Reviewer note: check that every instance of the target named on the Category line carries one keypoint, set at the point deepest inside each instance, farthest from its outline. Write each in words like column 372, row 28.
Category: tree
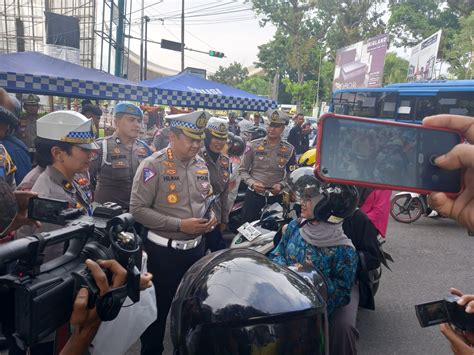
column 407, row 28
column 256, row 85
column 291, row 19
column 232, row 75
column 461, row 57
column 395, row 70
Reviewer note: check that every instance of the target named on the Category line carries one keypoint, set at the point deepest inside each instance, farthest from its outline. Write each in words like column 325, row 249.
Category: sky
column 236, row 33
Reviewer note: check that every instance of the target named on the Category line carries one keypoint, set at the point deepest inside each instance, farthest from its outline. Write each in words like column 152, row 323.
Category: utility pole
column 141, row 40
column 182, row 35
column 145, row 64
column 120, row 39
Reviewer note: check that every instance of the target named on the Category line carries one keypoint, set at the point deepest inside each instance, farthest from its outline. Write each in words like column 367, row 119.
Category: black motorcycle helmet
column 332, row 202
column 237, row 301
column 255, row 132
column 236, row 145
column 9, row 118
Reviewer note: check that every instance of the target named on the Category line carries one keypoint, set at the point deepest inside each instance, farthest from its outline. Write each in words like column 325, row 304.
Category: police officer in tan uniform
column 27, row 129
column 170, row 195
column 217, row 130
column 265, row 165
column 7, row 167
column 114, row 165
column 66, row 140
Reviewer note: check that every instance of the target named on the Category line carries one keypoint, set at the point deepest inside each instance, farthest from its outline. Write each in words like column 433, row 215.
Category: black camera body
column 445, row 311
column 38, row 297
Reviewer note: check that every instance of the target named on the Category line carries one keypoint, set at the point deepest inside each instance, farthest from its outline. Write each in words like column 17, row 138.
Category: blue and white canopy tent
column 188, row 90
column 33, row 72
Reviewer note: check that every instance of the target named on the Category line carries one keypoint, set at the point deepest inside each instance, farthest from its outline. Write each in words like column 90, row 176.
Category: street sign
column 174, row 46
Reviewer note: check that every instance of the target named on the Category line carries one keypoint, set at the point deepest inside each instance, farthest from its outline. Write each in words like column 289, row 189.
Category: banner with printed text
column 361, row 65
column 423, row 59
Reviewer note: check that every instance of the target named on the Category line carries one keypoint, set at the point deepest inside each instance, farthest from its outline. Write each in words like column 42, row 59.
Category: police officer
column 27, row 130
column 265, row 164
column 233, row 125
column 170, row 195
column 219, row 172
column 7, row 166
column 114, row 165
column 65, row 139
column 161, row 138
column 94, row 113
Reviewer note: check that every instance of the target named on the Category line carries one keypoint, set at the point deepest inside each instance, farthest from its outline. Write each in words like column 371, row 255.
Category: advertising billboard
column 361, row 65
column 423, row 58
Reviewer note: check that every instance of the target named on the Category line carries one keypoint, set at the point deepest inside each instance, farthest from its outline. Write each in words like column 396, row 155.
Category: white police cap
column 191, row 124
column 67, row 126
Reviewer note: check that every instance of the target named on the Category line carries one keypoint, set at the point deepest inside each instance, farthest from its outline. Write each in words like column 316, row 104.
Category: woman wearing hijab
column 317, row 238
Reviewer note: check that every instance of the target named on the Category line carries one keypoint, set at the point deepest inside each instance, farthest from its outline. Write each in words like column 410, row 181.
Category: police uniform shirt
column 52, row 184
column 114, row 174
column 166, row 190
column 265, row 163
column 30, row 179
column 27, row 131
column 219, row 173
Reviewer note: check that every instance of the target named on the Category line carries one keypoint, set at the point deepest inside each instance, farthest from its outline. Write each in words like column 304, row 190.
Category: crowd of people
column 179, row 190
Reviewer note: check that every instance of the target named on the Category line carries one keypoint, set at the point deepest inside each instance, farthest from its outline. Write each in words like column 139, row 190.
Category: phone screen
column 45, row 210
column 431, row 313
column 386, row 154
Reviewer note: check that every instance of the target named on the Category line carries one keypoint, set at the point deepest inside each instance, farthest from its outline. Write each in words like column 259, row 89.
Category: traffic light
column 216, row 54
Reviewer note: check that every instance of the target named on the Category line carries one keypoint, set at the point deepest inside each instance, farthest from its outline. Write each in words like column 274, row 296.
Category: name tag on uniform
column 119, row 164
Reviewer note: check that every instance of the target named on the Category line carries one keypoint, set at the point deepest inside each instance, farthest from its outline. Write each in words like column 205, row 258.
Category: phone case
column 321, row 176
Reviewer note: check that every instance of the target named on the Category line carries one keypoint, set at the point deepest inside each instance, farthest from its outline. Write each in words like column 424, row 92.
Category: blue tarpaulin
column 188, row 90
column 33, row 72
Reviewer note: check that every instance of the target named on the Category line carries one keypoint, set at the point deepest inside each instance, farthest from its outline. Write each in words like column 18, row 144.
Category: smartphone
column 385, row 154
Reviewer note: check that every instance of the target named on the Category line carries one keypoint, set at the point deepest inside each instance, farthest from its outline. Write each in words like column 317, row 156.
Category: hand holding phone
column 460, row 208
column 385, row 154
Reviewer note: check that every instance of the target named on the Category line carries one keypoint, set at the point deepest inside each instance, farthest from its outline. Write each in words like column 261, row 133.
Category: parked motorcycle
column 261, row 235
column 235, row 215
column 407, row 207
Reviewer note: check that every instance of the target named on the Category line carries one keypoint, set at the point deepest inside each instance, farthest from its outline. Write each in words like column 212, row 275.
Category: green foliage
column 395, row 70
column 461, row 56
column 256, row 85
column 232, row 75
column 304, row 93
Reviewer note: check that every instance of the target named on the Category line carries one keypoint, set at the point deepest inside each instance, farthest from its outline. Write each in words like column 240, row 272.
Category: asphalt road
column 430, row 255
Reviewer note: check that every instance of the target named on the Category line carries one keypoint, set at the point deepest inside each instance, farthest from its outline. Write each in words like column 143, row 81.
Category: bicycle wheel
column 406, row 209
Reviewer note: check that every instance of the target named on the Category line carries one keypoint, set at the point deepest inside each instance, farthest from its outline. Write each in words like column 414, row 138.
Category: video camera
column 38, row 297
column 445, row 311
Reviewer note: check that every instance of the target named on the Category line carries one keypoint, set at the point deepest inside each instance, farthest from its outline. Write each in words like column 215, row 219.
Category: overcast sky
column 236, row 33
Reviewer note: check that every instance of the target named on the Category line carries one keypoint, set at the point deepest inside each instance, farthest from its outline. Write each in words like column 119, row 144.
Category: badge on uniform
column 260, row 148
column 172, row 198
column 142, row 151
column 283, row 149
column 148, row 174
column 202, row 172
column 116, row 150
column 168, row 164
column 170, row 171
column 169, row 153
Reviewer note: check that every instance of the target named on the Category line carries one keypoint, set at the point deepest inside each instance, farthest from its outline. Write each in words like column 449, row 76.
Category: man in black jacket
column 296, row 134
